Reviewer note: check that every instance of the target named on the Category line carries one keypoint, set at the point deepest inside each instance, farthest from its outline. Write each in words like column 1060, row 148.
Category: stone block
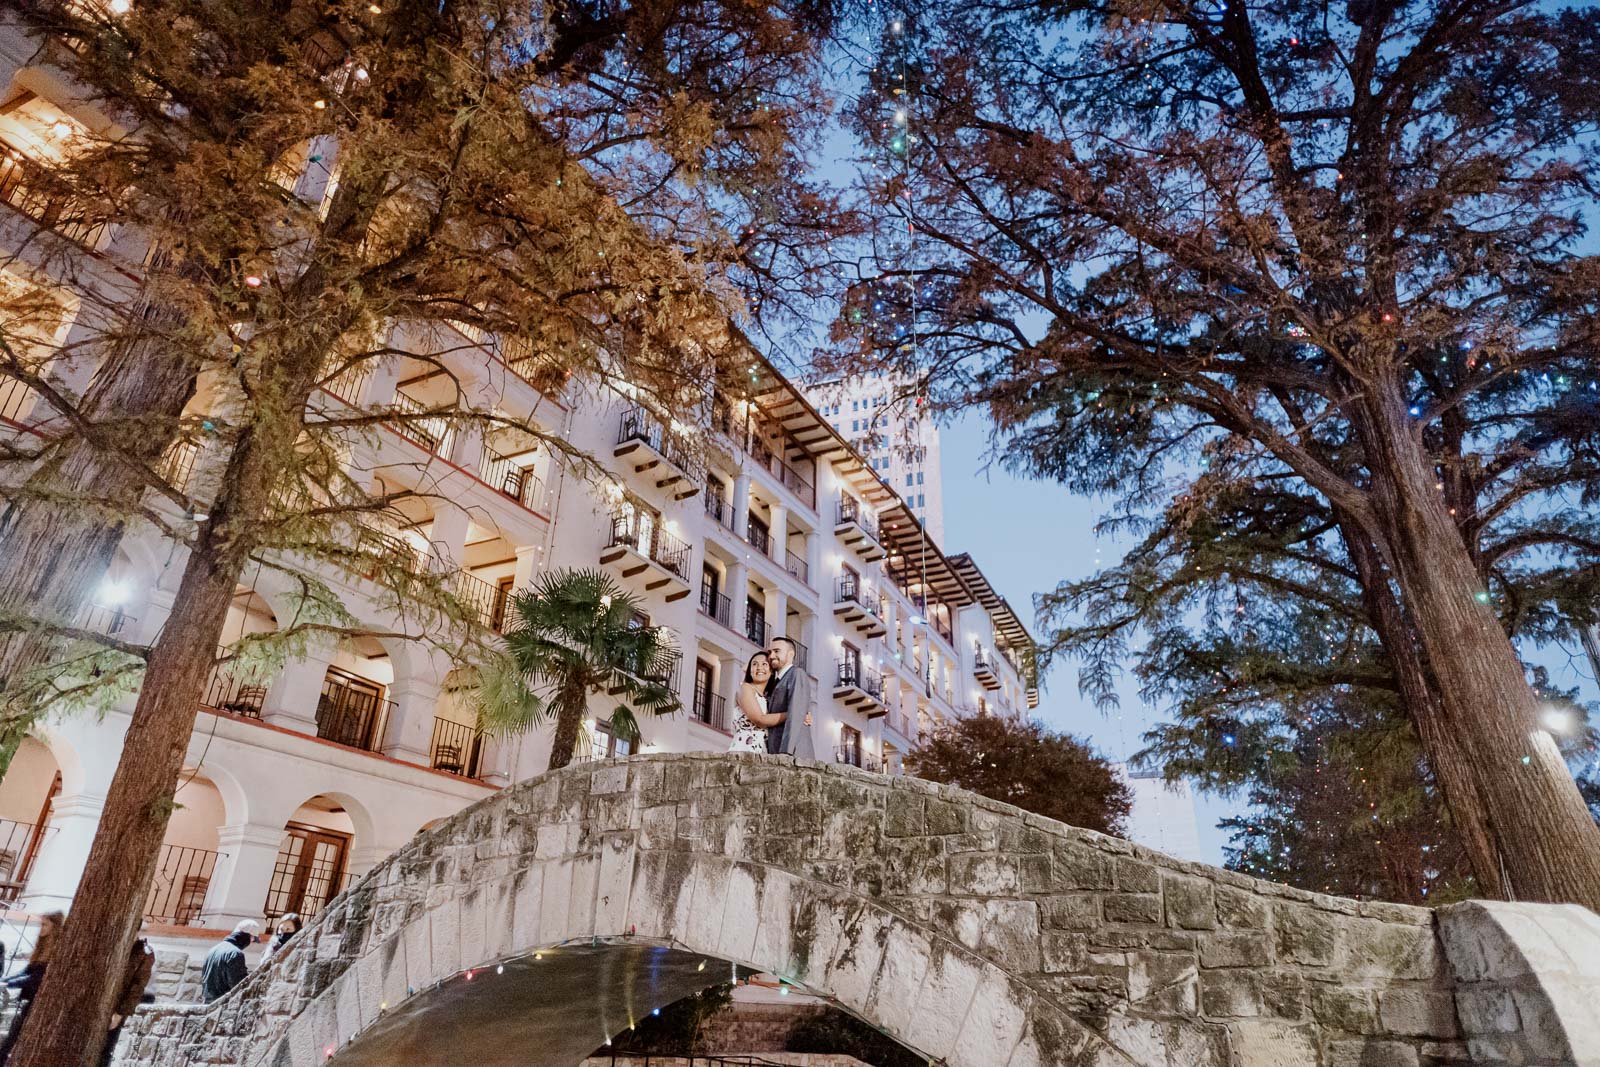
column 904, row 816
column 945, row 817
column 1235, row 948
column 1418, row 1013
column 1241, row 908
column 1370, row 1052
column 1137, row 876
column 1487, row 1010
column 1262, row 1043
column 1131, row 908
column 1189, row 902
column 741, row 915
column 904, row 966
column 1230, row 994
column 1352, row 1010
column 1163, row 983
column 993, row 1025
column 1064, row 953
column 981, row 875
column 1078, row 866
column 946, row 995
column 1000, row 929
column 1072, row 911
column 1304, row 936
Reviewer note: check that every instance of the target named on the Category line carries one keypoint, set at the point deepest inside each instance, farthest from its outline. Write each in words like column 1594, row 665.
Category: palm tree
column 576, row 633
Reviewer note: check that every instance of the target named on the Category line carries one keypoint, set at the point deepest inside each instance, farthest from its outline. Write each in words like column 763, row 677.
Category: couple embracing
column 773, row 689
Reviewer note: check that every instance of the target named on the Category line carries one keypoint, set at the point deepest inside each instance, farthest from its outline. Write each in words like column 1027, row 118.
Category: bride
column 751, row 719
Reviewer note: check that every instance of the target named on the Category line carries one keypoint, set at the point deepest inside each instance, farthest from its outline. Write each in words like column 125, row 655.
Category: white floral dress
column 747, row 736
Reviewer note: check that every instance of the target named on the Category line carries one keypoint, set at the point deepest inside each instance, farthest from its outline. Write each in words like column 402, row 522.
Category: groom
column 787, row 691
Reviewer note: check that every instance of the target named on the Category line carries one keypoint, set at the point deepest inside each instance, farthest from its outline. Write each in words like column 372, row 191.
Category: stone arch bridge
column 538, row 923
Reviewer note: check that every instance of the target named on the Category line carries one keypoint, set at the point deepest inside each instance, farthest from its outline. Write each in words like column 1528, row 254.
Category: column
column 248, row 857
column 780, row 536
column 467, row 452
column 777, row 605
column 818, row 662
column 292, row 698
column 447, row 537
column 737, row 592
column 818, row 580
column 730, row 675
column 741, row 504
column 528, row 558
column 409, row 732
column 63, row 851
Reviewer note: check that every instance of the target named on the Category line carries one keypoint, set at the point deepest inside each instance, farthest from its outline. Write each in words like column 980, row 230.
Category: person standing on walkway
column 287, row 927
column 224, row 967
column 27, row 983
column 135, row 976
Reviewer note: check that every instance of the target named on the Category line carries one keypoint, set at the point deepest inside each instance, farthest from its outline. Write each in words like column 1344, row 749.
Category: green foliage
column 1023, row 763
column 839, row 1032
column 677, row 1028
column 574, row 635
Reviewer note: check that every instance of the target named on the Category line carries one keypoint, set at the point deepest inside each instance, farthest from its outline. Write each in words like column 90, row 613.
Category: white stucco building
column 1163, row 815
column 899, row 441
column 751, row 518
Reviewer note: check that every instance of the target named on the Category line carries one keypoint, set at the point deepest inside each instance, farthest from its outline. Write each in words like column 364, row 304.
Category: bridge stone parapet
column 535, row 925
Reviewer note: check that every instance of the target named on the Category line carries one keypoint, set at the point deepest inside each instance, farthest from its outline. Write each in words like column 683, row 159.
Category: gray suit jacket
column 791, row 696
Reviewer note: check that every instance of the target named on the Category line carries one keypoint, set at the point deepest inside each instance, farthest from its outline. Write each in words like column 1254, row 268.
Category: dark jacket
column 790, row 696
column 134, row 979
column 224, row 967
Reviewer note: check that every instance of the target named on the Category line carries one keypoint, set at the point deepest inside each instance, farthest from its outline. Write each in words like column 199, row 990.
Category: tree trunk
column 68, row 1023
column 58, row 548
column 71, row 1014
column 569, row 724
column 1548, row 843
column 1462, row 798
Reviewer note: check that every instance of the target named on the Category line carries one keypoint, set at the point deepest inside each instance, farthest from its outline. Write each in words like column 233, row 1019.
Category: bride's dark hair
column 748, row 676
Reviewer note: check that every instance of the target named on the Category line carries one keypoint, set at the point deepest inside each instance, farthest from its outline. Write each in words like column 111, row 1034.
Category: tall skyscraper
column 886, row 423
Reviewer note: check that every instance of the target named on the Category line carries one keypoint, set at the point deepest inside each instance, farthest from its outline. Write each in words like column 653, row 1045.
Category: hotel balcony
column 455, row 748
column 853, row 756
column 983, row 669
column 652, row 450
column 860, row 688
column 26, row 185
column 853, row 603
column 642, row 551
column 857, row 529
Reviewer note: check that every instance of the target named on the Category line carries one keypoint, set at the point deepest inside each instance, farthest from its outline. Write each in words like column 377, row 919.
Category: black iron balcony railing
column 670, row 552
column 797, row 566
column 108, row 620
column 664, row 667
column 386, row 548
column 711, row 708
column 757, row 537
column 849, row 510
column 455, row 748
column 25, row 185
column 518, row 483
column 798, row 484
column 485, row 601
column 855, row 756
column 224, row 692
column 543, row 371
column 637, row 424
column 19, row 841
column 305, row 887
column 756, row 628
column 15, row 398
column 351, row 715
column 716, row 606
column 178, row 890
column 348, row 383
column 432, row 432
column 849, row 589
column 177, row 463
column 721, row 510
column 850, row 673
column 802, row 655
